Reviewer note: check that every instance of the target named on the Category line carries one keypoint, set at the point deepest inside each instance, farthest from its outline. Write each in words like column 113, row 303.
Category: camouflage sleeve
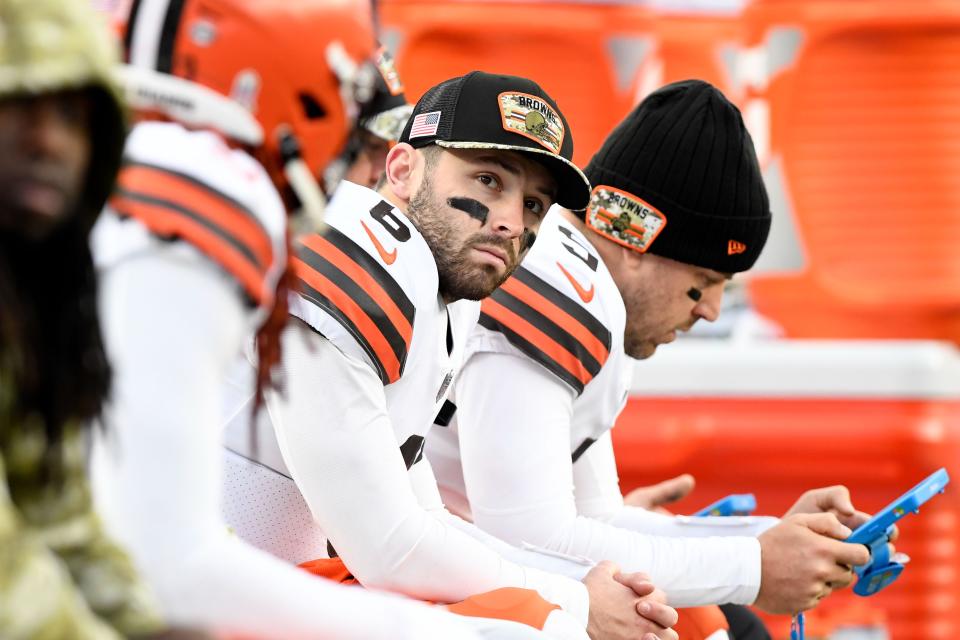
column 59, row 518
column 39, row 599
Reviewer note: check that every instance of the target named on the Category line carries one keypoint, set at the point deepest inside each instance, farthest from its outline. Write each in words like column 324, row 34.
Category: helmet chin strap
column 357, row 81
column 309, row 218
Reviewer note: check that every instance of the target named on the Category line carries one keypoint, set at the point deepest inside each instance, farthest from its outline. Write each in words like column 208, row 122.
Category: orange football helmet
column 299, row 68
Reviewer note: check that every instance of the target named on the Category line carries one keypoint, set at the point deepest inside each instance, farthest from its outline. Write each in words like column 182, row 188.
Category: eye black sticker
column 473, row 208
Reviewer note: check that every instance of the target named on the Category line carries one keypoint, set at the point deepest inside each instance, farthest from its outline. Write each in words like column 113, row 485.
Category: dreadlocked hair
column 268, row 336
column 50, row 339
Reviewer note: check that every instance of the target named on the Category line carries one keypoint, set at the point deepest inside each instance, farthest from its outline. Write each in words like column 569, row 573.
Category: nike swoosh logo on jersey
column 388, row 257
column 585, row 294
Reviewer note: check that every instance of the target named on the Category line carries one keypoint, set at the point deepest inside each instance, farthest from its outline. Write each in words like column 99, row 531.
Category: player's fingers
column 658, row 596
column 639, row 582
column 666, row 634
column 826, row 524
column 837, row 499
column 850, row 555
column 658, row 613
column 662, row 634
column 894, row 533
column 672, row 490
column 840, row 577
column 854, row 520
column 607, row 567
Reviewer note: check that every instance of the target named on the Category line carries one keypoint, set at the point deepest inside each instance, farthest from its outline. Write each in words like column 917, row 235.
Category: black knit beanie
column 679, row 178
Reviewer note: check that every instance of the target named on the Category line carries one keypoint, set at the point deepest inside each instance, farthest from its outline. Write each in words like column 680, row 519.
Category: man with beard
column 678, row 205
column 369, row 358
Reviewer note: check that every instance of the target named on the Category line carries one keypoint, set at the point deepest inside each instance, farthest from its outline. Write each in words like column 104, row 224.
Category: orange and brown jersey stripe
column 176, row 205
column 341, row 278
column 548, row 327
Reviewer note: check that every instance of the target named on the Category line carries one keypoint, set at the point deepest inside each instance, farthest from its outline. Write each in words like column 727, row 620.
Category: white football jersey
column 189, row 251
column 562, row 310
column 365, row 378
column 369, row 284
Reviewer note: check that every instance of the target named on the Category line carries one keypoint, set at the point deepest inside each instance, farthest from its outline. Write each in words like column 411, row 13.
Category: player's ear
column 632, row 262
column 402, row 169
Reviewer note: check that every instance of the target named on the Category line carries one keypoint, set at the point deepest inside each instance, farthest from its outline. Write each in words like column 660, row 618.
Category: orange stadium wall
column 596, row 59
column 865, row 118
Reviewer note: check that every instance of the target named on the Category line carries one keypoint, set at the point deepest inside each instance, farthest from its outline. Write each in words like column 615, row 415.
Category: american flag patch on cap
column 425, row 124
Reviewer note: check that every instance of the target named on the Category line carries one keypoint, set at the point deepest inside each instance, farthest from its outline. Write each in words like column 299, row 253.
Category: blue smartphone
column 909, row 502
column 737, row 504
column 882, row 570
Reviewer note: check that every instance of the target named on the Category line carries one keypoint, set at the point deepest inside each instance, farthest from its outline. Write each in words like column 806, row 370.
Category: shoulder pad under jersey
column 190, row 186
column 368, row 271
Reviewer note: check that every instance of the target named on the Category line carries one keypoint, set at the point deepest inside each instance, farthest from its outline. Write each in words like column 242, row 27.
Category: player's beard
column 460, row 277
column 649, row 318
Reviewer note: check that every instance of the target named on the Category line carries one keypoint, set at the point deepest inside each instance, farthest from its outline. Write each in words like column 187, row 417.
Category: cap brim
column 388, row 125
column 573, row 188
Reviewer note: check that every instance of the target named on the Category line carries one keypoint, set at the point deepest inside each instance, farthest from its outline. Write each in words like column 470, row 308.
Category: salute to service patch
column 624, row 218
column 532, row 117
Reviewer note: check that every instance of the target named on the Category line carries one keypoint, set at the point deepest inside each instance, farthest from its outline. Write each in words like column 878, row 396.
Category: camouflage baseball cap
column 47, row 46
column 488, row 111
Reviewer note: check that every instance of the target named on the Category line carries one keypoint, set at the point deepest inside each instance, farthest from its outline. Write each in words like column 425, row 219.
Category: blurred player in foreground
column 62, row 129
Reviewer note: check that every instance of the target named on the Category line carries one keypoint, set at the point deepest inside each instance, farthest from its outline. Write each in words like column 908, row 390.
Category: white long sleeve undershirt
column 598, row 496
column 173, row 323
column 385, row 522
column 523, row 487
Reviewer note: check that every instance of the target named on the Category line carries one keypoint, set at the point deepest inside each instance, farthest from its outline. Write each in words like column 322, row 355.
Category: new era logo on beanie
column 734, row 247
column 487, row 111
column 679, row 178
